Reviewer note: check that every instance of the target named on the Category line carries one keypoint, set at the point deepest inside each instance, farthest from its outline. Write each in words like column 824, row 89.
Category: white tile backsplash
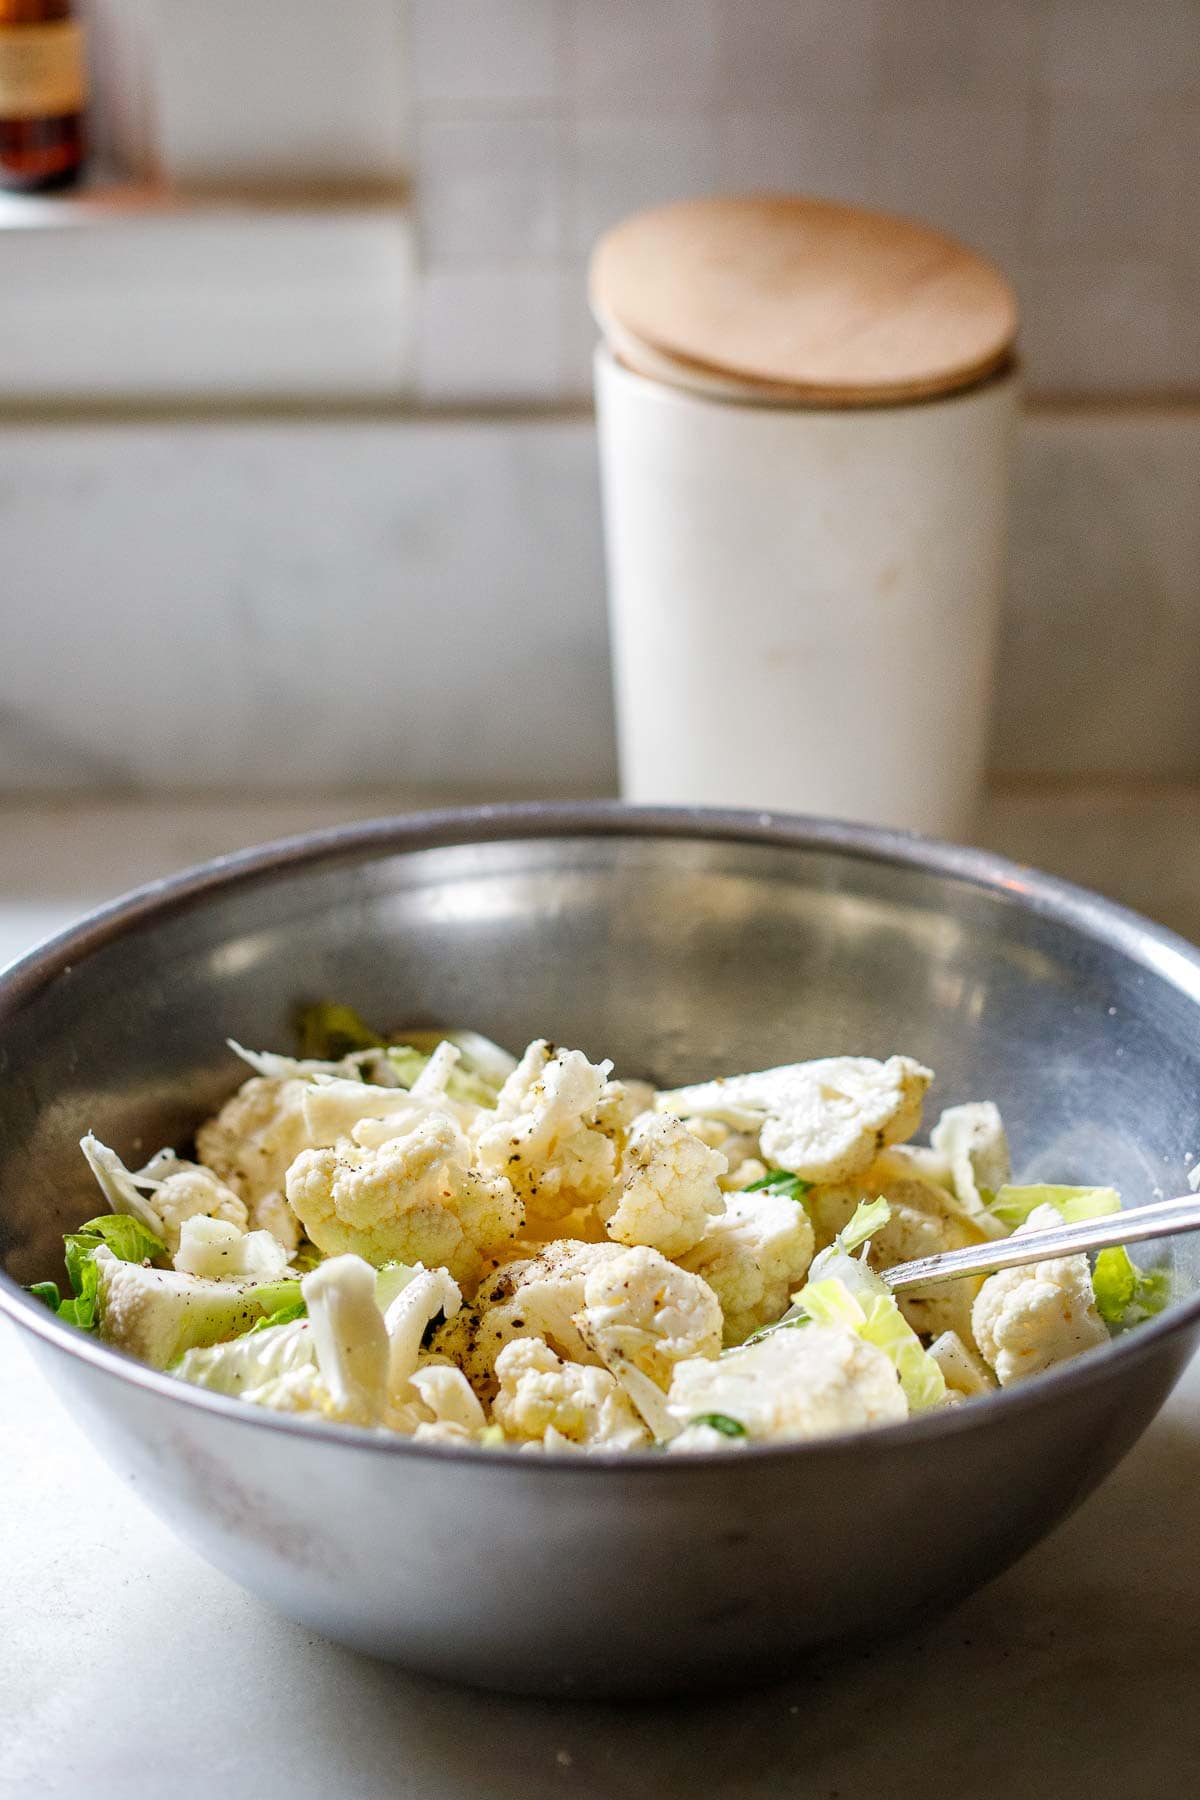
column 1058, row 136
column 491, row 188
column 294, row 605
column 940, row 50
column 1109, row 175
column 797, row 50
column 1100, row 660
column 491, row 332
column 497, row 52
column 647, row 54
column 960, row 165
column 221, row 301
column 280, row 92
column 1075, row 312
column 811, row 149
column 1121, row 49
column 343, row 603
column 623, row 164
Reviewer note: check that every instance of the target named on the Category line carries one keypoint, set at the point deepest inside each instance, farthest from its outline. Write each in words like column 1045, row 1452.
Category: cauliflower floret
column 538, row 1296
column 163, row 1194
column 250, row 1144
column 1027, row 1319
column 700, row 1436
column 539, row 1392
column 753, row 1259
column 445, row 1431
column 338, row 1108
column 806, row 1383
column 221, row 1252
column 743, row 1174
column 966, row 1374
column 196, row 1194
column 546, row 1134
column 973, row 1141
column 414, row 1199
column 261, row 1130
column 620, row 1103
column 739, row 1148
column 449, row 1398
column 430, row 1294
column 349, row 1336
column 371, row 1115
column 669, row 1187
column 925, row 1219
column 157, row 1314
column 824, row 1120
column 644, row 1313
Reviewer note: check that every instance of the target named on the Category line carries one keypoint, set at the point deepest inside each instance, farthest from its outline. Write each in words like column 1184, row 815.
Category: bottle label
column 41, row 70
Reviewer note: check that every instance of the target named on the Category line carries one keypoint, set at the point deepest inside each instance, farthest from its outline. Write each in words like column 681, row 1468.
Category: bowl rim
column 1162, row 951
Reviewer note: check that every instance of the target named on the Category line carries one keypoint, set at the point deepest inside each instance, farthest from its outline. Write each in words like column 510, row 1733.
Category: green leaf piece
column 868, row 1217
column 126, row 1237
column 730, row 1428
column 782, row 1182
column 1125, row 1294
column 329, row 1030
column 285, row 1315
column 1013, row 1205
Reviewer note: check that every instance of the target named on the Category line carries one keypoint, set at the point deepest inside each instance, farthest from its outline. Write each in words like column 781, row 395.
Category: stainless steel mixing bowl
column 680, row 943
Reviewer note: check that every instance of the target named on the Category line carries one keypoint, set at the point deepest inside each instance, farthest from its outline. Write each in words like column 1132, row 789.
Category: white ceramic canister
column 803, row 598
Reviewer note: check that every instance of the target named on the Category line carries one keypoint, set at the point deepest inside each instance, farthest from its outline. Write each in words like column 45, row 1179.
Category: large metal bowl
column 680, row 943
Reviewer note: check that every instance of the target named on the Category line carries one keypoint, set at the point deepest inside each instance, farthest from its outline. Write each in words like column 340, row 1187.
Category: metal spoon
column 1163, row 1219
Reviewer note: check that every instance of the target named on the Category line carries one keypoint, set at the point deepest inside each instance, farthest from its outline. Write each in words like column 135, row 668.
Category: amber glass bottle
column 43, row 91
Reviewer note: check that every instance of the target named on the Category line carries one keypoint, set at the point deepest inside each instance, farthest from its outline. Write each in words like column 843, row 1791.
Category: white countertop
column 128, row 1668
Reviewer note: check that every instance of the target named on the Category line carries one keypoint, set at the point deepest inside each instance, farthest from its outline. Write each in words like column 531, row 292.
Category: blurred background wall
column 297, row 482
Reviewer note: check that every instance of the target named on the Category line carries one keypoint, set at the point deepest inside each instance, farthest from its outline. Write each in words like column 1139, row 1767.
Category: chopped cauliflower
column 371, row 1115
column 973, row 1141
column 196, row 1194
column 338, row 1108
column 430, row 1295
column 538, row 1296
column 739, row 1148
column 965, row 1373
column 251, row 1143
column 163, row 1194
column 620, row 1103
column 157, row 1314
column 540, row 1392
column 547, row 1135
column 448, row 1397
column 825, row 1120
column 807, row 1382
column 926, row 1218
column 445, row 1431
column 669, row 1187
column 1028, row 1318
column 753, row 1258
column 304, row 1390
column 347, row 1382
column 646, row 1314
column 414, row 1199
column 536, row 1256
column 221, row 1252
column 349, row 1336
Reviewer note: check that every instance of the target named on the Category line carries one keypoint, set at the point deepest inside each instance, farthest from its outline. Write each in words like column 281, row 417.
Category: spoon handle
column 1163, row 1219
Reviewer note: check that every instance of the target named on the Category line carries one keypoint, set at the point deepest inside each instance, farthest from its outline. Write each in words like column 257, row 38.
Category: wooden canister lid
column 800, row 300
